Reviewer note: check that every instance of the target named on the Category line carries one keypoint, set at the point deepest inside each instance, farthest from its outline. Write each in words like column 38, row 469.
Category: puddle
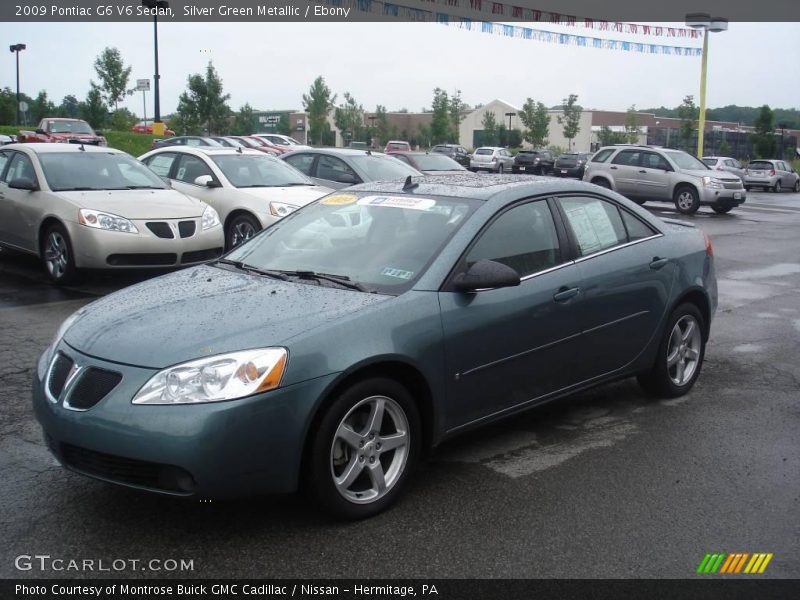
column 747, row 348
column 777, row 270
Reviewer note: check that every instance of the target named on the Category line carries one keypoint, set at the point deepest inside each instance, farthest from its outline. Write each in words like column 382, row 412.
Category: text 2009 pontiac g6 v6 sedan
column 336, row 345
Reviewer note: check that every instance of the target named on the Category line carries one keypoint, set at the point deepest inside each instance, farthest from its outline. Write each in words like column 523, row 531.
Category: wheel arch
column 685, row 184
column 597, row 178
column 699, row 298
column 43, row 226
column 240, row 211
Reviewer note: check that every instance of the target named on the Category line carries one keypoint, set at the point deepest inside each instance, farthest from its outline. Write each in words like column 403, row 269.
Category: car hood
column 204, row 311
column 701, row 173
column 299, row 195
column 453, row 172
column 139, row 204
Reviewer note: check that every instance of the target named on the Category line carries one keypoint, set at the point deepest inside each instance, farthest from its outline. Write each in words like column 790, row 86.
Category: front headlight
column 210, row 218
column 711, row 182
column 107, row 221
column 281, row 209
column 216, row 378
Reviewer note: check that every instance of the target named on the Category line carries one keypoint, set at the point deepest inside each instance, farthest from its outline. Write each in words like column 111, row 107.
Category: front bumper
column 722, row 197
column 219, row 449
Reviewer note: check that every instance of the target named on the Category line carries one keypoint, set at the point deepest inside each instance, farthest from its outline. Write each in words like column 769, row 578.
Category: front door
column 19, row 211
column 625, row 170
column 654, row 178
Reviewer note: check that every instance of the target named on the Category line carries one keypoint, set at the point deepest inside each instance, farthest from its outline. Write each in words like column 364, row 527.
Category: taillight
column 772, row 173
column 709, row 246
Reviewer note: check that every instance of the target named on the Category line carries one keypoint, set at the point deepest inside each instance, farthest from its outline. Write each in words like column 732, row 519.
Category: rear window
column 760, row 165
column 710, row 161
column 602, row 155
column 484, row 151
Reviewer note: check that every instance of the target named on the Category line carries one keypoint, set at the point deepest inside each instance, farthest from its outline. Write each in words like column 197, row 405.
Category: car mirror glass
column 40, row 131
column 486, row 274
column 345, row 178
column 23, row 183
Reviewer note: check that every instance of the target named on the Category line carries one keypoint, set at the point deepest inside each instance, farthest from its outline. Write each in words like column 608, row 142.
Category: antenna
column 82, row 149
column 409, row 185
column 239, row 149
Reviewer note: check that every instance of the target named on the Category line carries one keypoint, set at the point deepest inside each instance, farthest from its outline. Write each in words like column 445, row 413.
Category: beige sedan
column 86, row 207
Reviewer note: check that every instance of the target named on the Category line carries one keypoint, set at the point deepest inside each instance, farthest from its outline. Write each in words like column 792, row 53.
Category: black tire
column 240, row 229
column 57, row 255
column 603, row 183
column 747, row 188
column 658, row 381
column 321, row 458
column 722, row 210
column 687, row 200
column 499, row 169
column 797, row 187
column 777, row 188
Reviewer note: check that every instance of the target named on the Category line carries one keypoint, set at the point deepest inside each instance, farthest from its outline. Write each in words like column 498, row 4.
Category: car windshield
column 686, row 161
column 70, row 127
column 432, row 162
column 760, row 165
column 710, row 162
column 248, row 170
column 84, row 171
column 383, row 168
column 383, row 243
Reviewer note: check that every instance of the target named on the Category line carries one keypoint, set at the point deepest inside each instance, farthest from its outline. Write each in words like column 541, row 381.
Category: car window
column 523, row 238
column 636, row 229
column 301, row 162
column 83, row 171
column 20, row 167
column 383, row 168
column 627, row 157
column 249, row 170
column 602, row 155
column 760, row 165
column 332, row 168
column 3, row 161
column 782, row 166
column 402, row 157
column 190, row 168
column 595, row 224
column 710, row 161
column 651, row 160
column 483, row 151
column 161, row 164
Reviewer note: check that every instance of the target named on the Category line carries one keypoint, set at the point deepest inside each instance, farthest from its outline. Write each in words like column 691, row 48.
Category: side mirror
column 207, row 181
column 40, row 131
column 486, row 274
column 346, row 178
column 23, row 183
column 98, row 132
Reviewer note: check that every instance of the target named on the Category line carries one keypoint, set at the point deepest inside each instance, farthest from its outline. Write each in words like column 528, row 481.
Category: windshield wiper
column 79, row 189
column 142, row 187
column 342, row 280
column 294, row 183
column 251, row 269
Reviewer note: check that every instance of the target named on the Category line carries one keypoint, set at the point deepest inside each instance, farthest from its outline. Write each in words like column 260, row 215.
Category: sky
column 270, row 65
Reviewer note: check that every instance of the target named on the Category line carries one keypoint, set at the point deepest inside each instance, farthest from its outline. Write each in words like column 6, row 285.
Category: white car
column 249, row 189
column 282, row 140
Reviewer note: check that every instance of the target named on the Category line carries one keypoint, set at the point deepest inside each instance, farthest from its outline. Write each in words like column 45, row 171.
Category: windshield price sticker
column 339, row 200
column 398, row 202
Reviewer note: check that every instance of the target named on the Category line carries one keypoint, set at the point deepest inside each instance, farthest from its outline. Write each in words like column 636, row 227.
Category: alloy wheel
column 685, row 200
column 242, row 231
column 56, row 255
column 683, row 350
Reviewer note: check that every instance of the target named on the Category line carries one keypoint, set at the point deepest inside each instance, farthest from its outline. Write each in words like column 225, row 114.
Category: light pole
column 17, row 48
column 708, row 24
column 155, row 6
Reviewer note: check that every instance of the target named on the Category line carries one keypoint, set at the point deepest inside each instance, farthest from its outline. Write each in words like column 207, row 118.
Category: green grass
column 135, row 144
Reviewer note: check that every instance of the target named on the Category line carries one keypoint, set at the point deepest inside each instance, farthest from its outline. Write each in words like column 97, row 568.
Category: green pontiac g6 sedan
column 338, row 344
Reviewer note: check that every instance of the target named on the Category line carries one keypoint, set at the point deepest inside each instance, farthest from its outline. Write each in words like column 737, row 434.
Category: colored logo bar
column 734, row 563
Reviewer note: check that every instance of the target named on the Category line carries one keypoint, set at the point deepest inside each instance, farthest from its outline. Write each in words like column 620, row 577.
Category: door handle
column 642, row 171
column 615, row 168
column 657, row 263
column 565, row 294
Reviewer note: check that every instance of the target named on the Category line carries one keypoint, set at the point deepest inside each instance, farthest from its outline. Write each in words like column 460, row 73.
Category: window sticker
column 398, row 202
column 339, row 200
column 398, row 273
column 181, row 173
column 592, row 227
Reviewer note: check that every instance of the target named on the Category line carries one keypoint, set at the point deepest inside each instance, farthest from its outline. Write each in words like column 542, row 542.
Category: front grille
column 161, row 229
column 92, row 386
column 200, row 255
column 732, row 185
column 142, row 260
column 186, row 228
column 59, row 372
column 139, row 473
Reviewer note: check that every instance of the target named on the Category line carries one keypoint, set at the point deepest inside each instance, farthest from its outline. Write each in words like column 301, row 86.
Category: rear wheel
column 57, row 255
column 603, row 183
column 240, row 229
column 500, row 168
column 721, row 210
column 777, row 187
column 686, row 200
column 797, row 186
column 680, row 354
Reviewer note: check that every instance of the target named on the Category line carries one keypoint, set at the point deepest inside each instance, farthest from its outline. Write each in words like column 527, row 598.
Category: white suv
column 491, row 158
column 644, row 173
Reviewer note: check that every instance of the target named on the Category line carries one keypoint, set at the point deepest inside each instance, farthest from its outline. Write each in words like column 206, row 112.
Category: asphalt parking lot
column 606, row 484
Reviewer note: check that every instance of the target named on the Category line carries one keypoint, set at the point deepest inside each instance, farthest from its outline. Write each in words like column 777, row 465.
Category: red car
column 54, row 130
column 256, row 144
column 147, row 127
column 397, row 146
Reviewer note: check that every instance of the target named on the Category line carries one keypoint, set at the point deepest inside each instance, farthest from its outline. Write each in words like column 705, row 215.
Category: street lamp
column 708, row 24
column 155, row 6
column 17, row 48
column 784, row 127
column 509, row 115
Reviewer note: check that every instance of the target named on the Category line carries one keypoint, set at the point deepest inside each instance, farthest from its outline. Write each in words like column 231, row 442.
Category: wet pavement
column 608, row 483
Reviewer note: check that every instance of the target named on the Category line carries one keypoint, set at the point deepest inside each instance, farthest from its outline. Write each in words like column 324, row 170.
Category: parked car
column 397, row 146
column 538, row 162
column 773, row 175
column 295, row 359
column 248, row 189
column 7, row 139
column 58, row 130
column 454, row 151
column 276, row 139
column 644, row 173
column 84, row 207
column 430, row 163
column 725, row 163
column 571, row 164
column 491, row 158
column 246, row 141
column 147, row 127
column 185, row 140
column 341, row 167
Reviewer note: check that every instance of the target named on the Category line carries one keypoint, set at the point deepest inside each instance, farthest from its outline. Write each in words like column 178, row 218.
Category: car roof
column 339, row 151
column 490, row 148
column 207, row 150
column 61, row 119
column 45, row 148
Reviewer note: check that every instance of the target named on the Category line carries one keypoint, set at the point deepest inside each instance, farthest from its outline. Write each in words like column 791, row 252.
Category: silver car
column 773, row 175
column 725, row 163
column 643, row 173
column 491, row 158
column 93, row 207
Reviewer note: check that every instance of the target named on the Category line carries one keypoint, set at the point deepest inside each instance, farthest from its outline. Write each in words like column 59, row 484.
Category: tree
column 490, row 135
column 69, row 107
column 536, row 118
column 349, row 118
column 606, row 137
column 424, row 136
column 514, row 138
column 8, row 106
column 244, row 121
column 42, row 107
column 382, row 125
column 688, row 113
column 632, row 129
column 113, row 75
column 203, row 108
column 122, row 119
column 93, row 110
column 570, row 118
column 456, row 108
column 440, row 124
column 284, row 125
column 318, row 103
column 764, row 137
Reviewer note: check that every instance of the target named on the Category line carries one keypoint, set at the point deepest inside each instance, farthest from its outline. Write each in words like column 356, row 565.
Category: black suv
column 454, row 151
column 538, row 162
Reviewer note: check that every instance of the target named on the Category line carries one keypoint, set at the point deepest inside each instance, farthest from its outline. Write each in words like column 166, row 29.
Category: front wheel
column 57, row 255
column 240, row 229
column 722, row 210
column 680, row 354
column 687, row 200
column 364, row 449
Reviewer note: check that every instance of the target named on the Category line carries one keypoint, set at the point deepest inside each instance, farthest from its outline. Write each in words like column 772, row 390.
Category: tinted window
column 710, row 161
column 523, row 238
column 602, row 155
column 20, row 167
column 432, row 162
column 383, row 168
column 190, row 168
column 160, row 164
column 3, row 161
column 760, row 165
column 484, row 151
column 651, row 160
column 596, row 224
column 248, row 170
column 402, row 157
column 627, row 157
column 302, row 162
column 332, row 168
column 635, row 228
column 96, row 171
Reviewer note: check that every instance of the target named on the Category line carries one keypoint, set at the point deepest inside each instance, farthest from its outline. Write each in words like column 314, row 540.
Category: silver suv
column 644, row 173
column 491, row 158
